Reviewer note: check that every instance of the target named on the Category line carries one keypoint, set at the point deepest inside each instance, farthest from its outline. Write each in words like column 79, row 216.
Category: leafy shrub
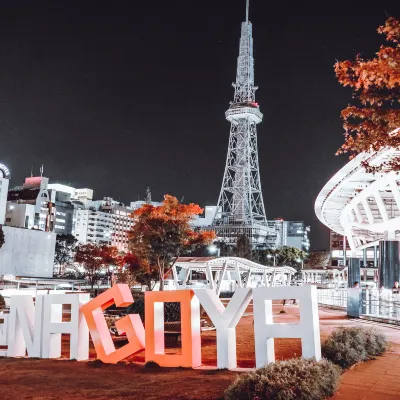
column 151, row 364
column 286, row 380
column 348, row 346
column 2, row 301
column 225, row 295
column 172, row 311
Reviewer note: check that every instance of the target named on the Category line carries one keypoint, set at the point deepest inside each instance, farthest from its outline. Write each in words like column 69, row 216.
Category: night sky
column 118, row 96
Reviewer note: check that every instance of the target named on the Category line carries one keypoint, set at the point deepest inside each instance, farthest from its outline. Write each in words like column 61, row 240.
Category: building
column 104, row 221
column 291, row 233
column 364, row 209
column 134, row 205
column 30, row 206
column 240, row 209
column 64, row 211
column 368, row 257
column 83, row 195
column 5, row 177
column 27, row 252
column 205, row 220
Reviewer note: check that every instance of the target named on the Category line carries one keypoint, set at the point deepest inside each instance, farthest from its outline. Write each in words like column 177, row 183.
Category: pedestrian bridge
column 227, row 273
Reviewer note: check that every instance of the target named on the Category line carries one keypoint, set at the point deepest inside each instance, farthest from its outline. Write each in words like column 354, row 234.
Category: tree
column 161, row 234
column 95, row 259
column 285, row 256
column 318, row 259
column 64, row 251
column 374, row 123
column 132, row 270
column 290, row 257
column 2, row 240
column 225, row 250
column 243, row 248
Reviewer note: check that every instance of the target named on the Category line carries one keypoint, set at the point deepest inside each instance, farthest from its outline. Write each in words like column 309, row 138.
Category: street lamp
column 272, row 255
column 214, row 249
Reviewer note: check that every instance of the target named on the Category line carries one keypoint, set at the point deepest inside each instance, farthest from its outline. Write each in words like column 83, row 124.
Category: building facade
column 30, row 206
column 104, row 222
column 291, row 233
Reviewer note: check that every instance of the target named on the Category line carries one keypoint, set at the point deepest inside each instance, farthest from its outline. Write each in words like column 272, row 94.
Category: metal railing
column 333, row 297
column 380, row 303
column 376, row 303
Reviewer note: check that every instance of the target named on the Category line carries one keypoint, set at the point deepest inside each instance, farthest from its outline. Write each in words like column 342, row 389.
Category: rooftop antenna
column 31, row 171
column 247, row 10
column 41, row 170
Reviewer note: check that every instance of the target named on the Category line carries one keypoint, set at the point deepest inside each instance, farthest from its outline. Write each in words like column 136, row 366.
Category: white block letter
column 3, row 333
column 25, row 326
column 265, row 330
column 53, row 326
column 225, row 321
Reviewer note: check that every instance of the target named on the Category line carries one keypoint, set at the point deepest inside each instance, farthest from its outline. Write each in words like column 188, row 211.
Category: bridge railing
column 333, row 297
column 378, row 303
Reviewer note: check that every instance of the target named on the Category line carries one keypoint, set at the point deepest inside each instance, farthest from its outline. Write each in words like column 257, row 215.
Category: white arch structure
column 364, row 207
column 243, row 272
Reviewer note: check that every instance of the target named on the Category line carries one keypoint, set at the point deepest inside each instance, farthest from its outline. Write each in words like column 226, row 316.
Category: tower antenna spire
column 247, row 10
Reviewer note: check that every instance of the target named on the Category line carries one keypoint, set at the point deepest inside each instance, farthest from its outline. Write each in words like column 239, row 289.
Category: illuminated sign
column 35, row 329
column 5, row 172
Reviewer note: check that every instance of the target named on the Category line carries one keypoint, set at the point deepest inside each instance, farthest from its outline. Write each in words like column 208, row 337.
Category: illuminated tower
column 240, row 209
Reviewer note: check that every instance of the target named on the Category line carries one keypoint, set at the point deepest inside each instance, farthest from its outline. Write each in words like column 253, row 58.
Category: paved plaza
column 378, row 379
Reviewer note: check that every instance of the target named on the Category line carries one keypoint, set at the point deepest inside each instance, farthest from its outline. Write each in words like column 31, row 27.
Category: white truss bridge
column 228, row 273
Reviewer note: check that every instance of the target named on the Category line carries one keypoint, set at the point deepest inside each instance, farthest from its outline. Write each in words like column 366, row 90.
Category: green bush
column 172, row 311
column 286, row 380
column 348, row 346
column 226, row 295
column 151, row 364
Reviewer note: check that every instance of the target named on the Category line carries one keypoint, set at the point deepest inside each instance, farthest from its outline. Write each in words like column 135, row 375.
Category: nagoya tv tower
column 240, row 209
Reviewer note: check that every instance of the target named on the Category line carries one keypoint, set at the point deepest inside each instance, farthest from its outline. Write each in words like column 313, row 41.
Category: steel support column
column 353, row 271
column 389, row 264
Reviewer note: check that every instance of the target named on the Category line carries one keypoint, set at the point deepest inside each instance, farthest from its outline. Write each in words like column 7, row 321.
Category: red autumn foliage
column 95, row 258
column 373, row 124
column 161, row 234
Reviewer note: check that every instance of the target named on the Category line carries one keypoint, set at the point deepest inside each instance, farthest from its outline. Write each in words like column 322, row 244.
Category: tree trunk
column 161, row 274
column 161, row 282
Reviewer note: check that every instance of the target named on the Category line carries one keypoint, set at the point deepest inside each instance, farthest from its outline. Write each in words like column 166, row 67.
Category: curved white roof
column 364, row 207
column 217, row 264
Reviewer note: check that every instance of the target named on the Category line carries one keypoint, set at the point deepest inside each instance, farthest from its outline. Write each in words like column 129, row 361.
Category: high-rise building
column 240, row 210
column 104, row 221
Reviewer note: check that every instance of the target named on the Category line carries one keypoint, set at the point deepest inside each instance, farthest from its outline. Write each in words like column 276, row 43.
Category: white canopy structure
column 316, row 275
column 365, row 207
column 227, row 273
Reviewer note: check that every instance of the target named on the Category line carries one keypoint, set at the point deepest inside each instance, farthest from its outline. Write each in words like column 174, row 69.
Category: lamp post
column 300, row 260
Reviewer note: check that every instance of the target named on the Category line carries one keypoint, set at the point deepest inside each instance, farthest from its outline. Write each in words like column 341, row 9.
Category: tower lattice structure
column 240, row 209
